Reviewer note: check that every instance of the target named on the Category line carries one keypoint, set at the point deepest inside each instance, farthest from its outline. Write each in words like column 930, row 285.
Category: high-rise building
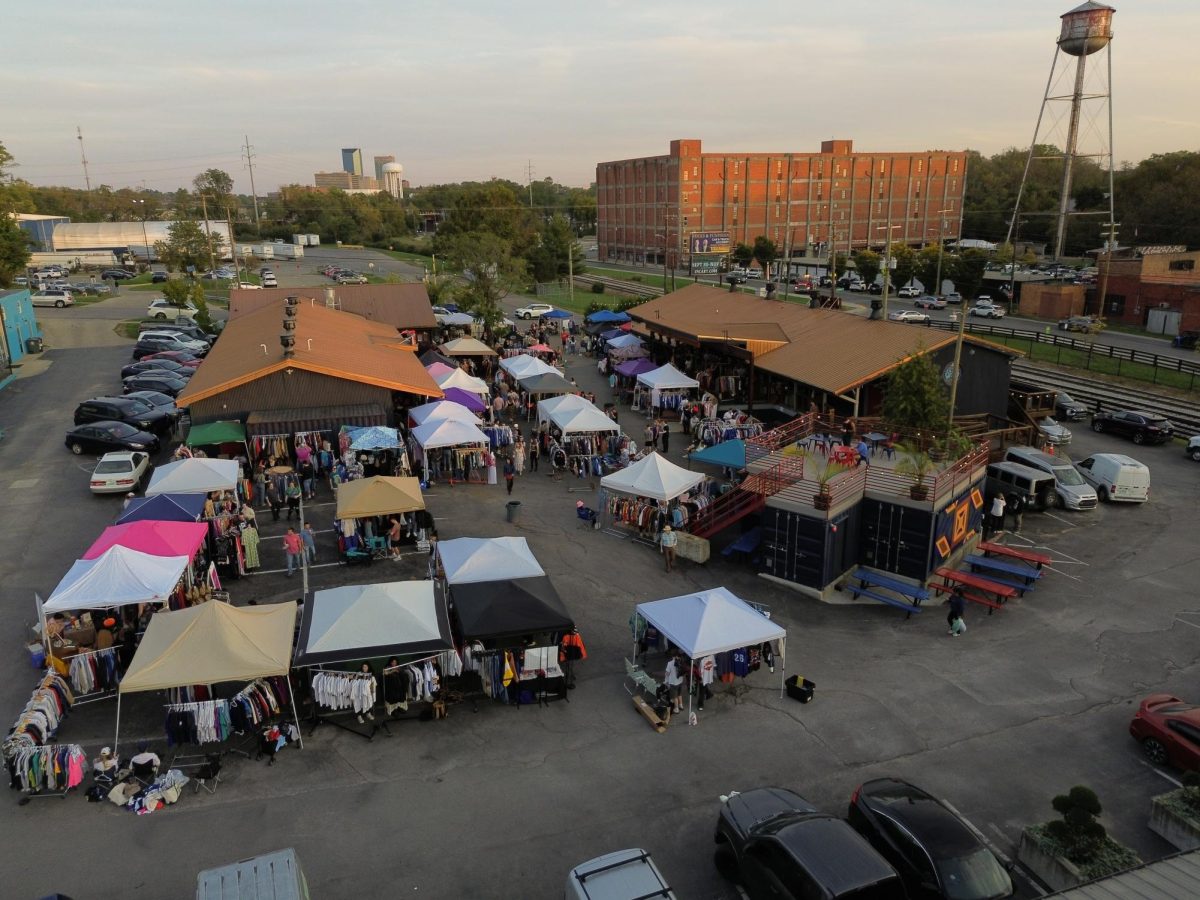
column 380, row 162
column 352, row 160
column 693, row 207
column 345, row 181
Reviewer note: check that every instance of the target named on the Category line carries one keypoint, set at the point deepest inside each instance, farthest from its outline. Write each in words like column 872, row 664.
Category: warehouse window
column 1116, row 304
column 883, row 167
column 1182, row 265
column 954, row 166
column 920, row 166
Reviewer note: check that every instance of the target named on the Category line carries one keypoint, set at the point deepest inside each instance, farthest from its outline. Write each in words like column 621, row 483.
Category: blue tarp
column 607, row 315
column 164, row 508
column 557, row 314
column 727, row 453
column 611, row 333
column 374, row 437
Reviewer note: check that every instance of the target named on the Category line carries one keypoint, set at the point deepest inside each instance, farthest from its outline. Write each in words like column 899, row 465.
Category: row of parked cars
column 343, row 275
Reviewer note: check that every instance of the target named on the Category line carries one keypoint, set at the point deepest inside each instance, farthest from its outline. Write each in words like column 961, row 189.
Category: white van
column 1072, row 491
column 1116, row 477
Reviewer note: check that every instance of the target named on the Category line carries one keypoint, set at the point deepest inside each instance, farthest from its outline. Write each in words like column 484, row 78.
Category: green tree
column 866, row 263
column 926, row 268
column 916, row 397
column 217, row 186
column 489, row 272
column 203, row 316
column 906, row 264
column 967, row 271
column 765, row 252
column 177, row 291
column 548, row 260
column 742, row 254
column 14, row 249
column 187, row 245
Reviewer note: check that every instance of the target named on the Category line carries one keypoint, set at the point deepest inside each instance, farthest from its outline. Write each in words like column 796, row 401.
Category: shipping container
column 265, row 251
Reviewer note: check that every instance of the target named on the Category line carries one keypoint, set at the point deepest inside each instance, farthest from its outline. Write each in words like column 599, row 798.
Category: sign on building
column 709, row 242
column 706, row 264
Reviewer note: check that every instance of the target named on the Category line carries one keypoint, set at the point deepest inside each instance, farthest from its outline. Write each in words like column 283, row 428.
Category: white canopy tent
column 667, row 378
column 624, row 340
column 438, row 433
column 710, row 622
column 652, row 476
column 468, row 560
column 440, row 410
column 588, row 420
column 117, row 577
column 564, row 402
column 461, row 380
column 458, row 319
column 198, row 475
column 466, row 346
column 524, row 365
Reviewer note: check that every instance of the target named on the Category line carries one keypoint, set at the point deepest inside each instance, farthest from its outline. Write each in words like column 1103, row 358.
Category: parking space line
column 1161, row 773
column 1059, row 519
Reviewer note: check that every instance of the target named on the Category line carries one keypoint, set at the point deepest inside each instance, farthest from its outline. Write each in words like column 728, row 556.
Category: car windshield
column 121, row 430
column 1065, row 399
column 1068, row 477
column 113, row 467
column 973, row 876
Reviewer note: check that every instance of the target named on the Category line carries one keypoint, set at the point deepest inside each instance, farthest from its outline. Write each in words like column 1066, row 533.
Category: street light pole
column 145, row 236
column 887, row 252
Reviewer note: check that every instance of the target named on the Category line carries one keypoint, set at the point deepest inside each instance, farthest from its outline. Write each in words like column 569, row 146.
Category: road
column 502, row 802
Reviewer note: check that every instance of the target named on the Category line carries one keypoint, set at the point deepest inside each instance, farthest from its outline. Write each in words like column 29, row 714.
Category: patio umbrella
column 463, row 398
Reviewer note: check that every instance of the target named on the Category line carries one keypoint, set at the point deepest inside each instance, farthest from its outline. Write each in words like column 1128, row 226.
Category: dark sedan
column 102, row 437
column 1067, row 408
column 935, row 852
column 116, row 274
column 159, row 365
column 1169, row 731
column 1141, row 427
column 163, row 382
column 179, row 356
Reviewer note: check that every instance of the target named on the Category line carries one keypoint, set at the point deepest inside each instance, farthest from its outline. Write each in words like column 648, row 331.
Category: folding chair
column 378, row 547
column 208, row 775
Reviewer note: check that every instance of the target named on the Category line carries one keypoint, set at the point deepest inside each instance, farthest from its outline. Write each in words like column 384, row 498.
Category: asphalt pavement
column 502, row 802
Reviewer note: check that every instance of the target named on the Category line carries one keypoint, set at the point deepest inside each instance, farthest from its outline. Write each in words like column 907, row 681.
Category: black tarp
column 429, row 357
column 546, row 383
column 512, row 608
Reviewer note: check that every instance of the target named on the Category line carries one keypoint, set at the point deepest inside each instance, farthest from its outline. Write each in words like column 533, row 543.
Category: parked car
column 156, row 343
column 954, row 297
column 1076, row 323
column 986, row 309
column 909, row 315
column 908, row 291
column 755, row 274
column 1066, row 408
column 779, row 845
column 55, row 297
column 936, row 853
column 1055, row 434
column 163, row 382
column 1186, row 340
column 158, row 276
column 858, row 286
column 1169, row 731
column 179, row 356
column 874, row 288
column 928, row 302
column 249, row 286
column 176, row 339
column 120, row 472
column 1116, row 477
column 623, row 875
column 1141, row 427
column 103, row 437
column 159, row 402
column 1071, row 491
column 736, row 278
column 269, row 280
column 1193, row 448
column 117, row 274
column 825, row 281
column 182, row 326
column 156, row 365
column 534, row 310
column 130, row 410
column 351, row 278
column 165, row 309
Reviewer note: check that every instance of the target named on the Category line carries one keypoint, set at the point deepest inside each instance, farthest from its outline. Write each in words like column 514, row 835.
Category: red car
column 1169, row 731
column 180, row 356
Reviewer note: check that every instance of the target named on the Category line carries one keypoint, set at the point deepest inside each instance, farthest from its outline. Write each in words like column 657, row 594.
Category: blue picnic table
column 1025, row 576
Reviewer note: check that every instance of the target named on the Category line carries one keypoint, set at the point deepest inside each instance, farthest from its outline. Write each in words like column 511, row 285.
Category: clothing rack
column 38, row 722
column 50, row 770
column 345, row 693
column 94, row 669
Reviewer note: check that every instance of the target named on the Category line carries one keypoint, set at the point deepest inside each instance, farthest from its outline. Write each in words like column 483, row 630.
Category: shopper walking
column 518, row 457
column 274, row 500
column 673, row 679
column 310, row 542
column 958, row 605
column 293, row 546
column 395, row 532
column 307, row 478
column 534, row 453
column 668, row 540
column 510, row 472
column 293, row 494
column 665, row 435
column 997, row 523
column 1016, row 508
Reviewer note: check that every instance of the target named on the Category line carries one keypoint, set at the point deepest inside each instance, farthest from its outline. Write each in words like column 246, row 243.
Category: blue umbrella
column 607, row 315
column 557, row 314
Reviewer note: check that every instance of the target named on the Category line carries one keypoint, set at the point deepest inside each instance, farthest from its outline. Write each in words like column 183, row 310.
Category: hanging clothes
column 54, row 767
column 344, row 690
column 95, row 672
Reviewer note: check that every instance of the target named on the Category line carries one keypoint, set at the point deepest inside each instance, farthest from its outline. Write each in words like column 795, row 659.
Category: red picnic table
column 981, row 587
column 1036, row 559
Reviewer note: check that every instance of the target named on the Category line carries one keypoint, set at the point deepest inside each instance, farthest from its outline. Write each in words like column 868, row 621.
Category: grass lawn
column 418, row 259
column 646, row 278
column 1104, row 365
column 560, row 296
column 128, row 329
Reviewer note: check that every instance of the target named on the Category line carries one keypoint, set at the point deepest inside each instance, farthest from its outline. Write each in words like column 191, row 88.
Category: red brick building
column 1159, row 292
column 693, row 206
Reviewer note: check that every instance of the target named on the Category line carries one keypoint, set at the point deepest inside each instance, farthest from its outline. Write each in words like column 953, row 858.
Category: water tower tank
column 1086, row 29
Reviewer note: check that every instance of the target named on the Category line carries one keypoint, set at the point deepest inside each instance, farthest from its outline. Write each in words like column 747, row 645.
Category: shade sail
column 546, row 384
column 462, row 398
column 607, row 315
column 216, row 433
column 525, row 365
column 374, row 437
column 199, row 475
column 467, row 560
column 557, row 314
column 727, row 453
column 441, row 368
column 652, row 476
column 461, row 380
column 667, row 378
column 633, row 367
column 212, row 643
column 366, row 621
column 117, row 577
column 154, row 538
column 163, row 508
column 440, row 410
column 466, row 346
column 583, row 421
column 624, row 340
column 707, row 622
column 509, row 608
column 380, row 495
column 448, row 433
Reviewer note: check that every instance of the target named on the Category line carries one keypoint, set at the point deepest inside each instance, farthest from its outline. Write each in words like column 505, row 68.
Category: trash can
column 512, row 508
column 800, row 688
column 34, row 345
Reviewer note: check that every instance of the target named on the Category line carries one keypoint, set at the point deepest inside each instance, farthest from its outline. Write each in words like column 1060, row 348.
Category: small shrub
column 627, row 303
column 598, row 288
column 1080, row 835
column 594, row 307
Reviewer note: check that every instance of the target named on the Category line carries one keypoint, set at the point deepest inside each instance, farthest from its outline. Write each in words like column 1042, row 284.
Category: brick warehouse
column 693, row 206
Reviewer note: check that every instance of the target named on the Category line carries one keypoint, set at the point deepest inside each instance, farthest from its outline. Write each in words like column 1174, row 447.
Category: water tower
column 393, row 179
column 1086, row 30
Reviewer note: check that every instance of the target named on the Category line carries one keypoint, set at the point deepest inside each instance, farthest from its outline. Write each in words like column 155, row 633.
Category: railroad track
column 625, row 287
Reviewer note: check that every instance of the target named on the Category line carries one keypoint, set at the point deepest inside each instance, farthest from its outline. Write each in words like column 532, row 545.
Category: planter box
column 1175, row 828
column 1056, row 873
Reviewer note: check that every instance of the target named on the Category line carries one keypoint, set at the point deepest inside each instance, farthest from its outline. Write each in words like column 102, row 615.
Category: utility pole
column 212, row 260
column 937, row 288
column 832, row 257
column 233, row 246
column 958, row 345
column 571, row 267
column 1108, row 256
column 86, row 178
column 887, row 257
column 249, row 154
column 1012, row 273
column 529, row 180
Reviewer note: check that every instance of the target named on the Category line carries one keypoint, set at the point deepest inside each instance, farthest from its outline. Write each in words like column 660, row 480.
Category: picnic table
column 912, row 595
column 998, row 570
column 985, row 586
column 1035, row 559
column 746, row 544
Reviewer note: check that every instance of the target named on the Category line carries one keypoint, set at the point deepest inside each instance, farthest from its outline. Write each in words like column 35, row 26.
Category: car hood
column 763, row 804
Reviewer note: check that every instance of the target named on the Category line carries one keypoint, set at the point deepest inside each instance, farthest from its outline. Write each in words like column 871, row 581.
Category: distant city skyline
column 474, row 91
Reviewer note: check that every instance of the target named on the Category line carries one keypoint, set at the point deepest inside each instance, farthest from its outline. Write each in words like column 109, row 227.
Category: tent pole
column 41, row 613
column 691, row 686
column 295, row 715
column 117, row 733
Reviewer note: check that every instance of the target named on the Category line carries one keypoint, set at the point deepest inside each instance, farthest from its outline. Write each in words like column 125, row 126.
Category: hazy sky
column 470, row 89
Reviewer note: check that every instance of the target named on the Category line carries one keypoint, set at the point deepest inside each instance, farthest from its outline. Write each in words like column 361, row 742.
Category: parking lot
column 503, row 802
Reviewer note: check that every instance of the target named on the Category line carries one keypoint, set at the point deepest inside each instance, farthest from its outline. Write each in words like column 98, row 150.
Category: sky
column 472, row 90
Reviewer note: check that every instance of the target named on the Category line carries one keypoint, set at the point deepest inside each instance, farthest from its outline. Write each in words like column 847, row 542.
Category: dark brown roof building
column 402, row 306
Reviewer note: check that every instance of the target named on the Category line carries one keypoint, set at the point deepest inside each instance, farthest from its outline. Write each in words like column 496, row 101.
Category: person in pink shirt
column 293, row 546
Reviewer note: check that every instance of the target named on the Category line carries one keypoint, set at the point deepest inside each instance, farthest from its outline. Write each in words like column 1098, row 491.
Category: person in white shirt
column 997, row 523
column 673, row 678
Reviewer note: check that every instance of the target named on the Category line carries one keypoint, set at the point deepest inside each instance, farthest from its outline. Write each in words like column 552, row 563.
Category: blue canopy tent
column 731, row 454
column 164, row 508
column 607, row 315
column 611, row 333
column 374, row 437
column 557, row 314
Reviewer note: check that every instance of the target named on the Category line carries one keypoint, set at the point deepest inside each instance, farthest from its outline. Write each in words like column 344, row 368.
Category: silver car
column 1054, row 433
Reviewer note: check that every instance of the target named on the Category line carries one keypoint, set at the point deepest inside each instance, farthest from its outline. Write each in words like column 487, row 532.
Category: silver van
column 1036, row 486
column 1072, row 491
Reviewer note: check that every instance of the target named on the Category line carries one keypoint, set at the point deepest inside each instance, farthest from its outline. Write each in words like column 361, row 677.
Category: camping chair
column 588, row 517
column 208, row 775
column 378, row 545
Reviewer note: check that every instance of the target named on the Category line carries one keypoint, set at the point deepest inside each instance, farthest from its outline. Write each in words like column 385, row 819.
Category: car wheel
column 1195, row 454
column 726, row 861
column 1102, row 494
column 1097, row 426
column 1155, row 751
column 77, row 448
column 1139, row 438
column 160, row 315
column 59, row 304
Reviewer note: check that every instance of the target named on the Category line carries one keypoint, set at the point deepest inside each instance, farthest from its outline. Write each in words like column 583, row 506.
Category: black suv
column 1142, row 427
column 129, row 410
column 1067, row 408
column 780, row 846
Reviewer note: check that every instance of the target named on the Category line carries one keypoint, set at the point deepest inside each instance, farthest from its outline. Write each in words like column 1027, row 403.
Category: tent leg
column 691, row 686
column 295, row 715
column 117, row 733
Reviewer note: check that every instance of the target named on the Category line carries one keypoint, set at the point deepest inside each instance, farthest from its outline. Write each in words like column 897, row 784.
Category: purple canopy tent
column 463, row 398
column 631, row 368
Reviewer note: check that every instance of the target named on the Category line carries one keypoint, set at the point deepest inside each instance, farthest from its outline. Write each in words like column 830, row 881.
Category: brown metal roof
column 399, row 305
column 328, row 342
column 828, row 349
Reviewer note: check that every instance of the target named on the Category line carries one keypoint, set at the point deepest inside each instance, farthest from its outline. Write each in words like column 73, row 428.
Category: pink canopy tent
column 541, row 348
column 152, row 538
column 438, row 369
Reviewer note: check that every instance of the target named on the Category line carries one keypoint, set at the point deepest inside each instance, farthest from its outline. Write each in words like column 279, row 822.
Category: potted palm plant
column 914, row 465
column 823, row 471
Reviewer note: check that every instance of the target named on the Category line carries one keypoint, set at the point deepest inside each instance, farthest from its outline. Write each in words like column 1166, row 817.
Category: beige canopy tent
column 466, row 346
column 209, row 644
column 381, row 495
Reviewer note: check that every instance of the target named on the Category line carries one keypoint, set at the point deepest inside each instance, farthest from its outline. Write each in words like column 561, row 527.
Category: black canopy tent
column 546, row 384
column 502, row 611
